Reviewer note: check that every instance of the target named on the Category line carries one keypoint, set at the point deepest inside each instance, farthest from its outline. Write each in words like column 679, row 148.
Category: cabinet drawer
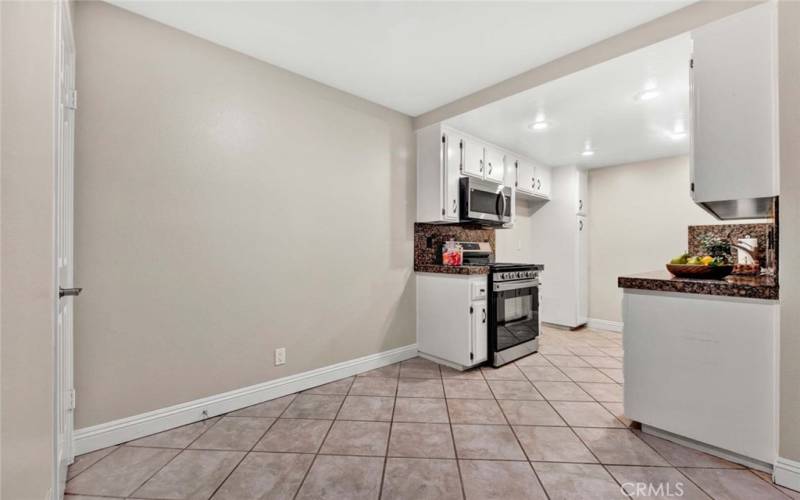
column 479, row 289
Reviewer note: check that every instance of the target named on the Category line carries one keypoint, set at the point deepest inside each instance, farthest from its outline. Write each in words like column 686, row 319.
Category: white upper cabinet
column 734, row 107
column 439, row 163
column 533, row 180
column 473, row 158
column 494, row 167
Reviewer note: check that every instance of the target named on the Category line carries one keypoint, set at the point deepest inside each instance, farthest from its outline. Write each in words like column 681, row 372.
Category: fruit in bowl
column 699, row 266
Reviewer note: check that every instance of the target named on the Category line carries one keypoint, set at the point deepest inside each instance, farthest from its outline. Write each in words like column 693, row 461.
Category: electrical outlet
column 280, row 356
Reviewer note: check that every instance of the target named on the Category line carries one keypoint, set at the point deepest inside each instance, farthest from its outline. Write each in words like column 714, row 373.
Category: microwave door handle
column 505, row 201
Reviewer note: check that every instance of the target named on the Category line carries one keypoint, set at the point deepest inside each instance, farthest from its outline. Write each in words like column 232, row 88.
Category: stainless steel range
column 514, row 325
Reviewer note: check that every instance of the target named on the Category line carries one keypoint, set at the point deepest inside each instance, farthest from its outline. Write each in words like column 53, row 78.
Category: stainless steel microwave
column 484, row 202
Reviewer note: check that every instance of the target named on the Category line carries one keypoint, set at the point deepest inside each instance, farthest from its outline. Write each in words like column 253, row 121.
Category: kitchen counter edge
column 754, row 287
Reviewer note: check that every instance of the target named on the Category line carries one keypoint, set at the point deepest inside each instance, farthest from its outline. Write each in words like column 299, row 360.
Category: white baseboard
column 605, row 325
column 125, row 429
column 787, row 473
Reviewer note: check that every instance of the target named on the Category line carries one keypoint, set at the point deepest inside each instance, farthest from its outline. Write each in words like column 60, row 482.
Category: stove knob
column 505, row 276
column 530, row 274
column 519, row 274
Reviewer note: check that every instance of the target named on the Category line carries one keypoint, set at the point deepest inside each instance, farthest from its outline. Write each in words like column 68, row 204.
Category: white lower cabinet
column 452, row 316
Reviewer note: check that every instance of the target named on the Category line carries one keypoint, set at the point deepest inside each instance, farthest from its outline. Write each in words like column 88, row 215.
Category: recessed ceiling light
column 587, row 149
column 648, row 94
column 539, row 125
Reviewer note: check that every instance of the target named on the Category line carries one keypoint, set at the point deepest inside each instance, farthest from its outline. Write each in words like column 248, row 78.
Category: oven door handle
column 515, row 285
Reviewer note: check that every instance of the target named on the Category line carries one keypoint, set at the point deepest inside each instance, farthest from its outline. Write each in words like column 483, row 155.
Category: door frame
column 62, row 361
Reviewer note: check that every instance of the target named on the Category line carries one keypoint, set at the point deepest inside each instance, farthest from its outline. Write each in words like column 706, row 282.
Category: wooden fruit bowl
column 699, row 272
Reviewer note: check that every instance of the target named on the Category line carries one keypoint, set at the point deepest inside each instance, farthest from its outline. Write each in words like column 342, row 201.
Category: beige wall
column 638, row 220
column 26, row 246
column 226, row 207
column 789, row 60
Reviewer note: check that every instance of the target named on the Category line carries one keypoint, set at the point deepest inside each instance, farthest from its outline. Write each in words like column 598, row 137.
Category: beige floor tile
column 507, row 372
column 374, row 386
column 193, row 474
column 390, row 371
column 577, row 481
column 553, row 444
column 603, row 361
column 180, row 437
column 562, row 391
column 586, row 350
column 272, row 408
column 421, row 479
column 656, row 482
column 618, row 410
column 339, row 387
column 121, row 472
column 608, row 393
column 421, row 440
column 618, row 447
column 486, row 442
column 273, row 476
column 233, row 433
column 314, row 406
column 420, row 371
column 614, row 374
column 514, row 389
column 468, row 389
column 420, row 410
column 530, row 413
column 731, row 484
column 500, row 480
column 548, row 349
column 682, row 456
column 535, row 359
column 83, row 462
column 420, row 388
column 367, row 408
column 544, row 373
column 474, row 374
column 475, row 411
column 585, row 414
column 357, row 438
column 613, row 351
column 294, row 435
column 586, row 374
column 566, row 360
column 339, row 478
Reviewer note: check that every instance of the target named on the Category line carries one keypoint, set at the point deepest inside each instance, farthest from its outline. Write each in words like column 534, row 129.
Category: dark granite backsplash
column 429, row 238
column 733, row 232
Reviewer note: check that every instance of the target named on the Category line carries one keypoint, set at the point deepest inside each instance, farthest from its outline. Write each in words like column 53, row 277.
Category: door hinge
column 691, row 63
column 71, row 400
column 72, row 99
column 471, row 356
column 691, row 187
column 471, row 310
column 443, row 141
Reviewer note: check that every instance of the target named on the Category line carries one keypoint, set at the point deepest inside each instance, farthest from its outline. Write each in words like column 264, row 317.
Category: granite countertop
column 439, row 268
column 756, row 287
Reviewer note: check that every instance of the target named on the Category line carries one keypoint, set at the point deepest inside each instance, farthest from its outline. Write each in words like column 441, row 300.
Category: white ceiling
column 408, row 56
column 597, row 104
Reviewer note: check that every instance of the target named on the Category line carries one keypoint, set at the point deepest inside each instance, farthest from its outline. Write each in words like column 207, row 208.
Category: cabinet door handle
column 490, row 168
column 539, row 184
column 454, row 206
column 484, row 314
column 580, row 225
column 580, row 204
column 480, row 168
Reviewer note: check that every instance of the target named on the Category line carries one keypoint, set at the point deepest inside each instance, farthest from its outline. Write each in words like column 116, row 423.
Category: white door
column 473, row 158
column 63, row 388
column 495, row 168
column 582, row 287
column 452, row 168
column 526, row 180
column 479, row 341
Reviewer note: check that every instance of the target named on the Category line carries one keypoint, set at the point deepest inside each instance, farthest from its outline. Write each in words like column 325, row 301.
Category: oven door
column 513, row 319
column 484, row 202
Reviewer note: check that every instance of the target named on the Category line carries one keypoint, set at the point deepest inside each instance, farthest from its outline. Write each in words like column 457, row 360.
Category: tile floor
column 549, row 426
